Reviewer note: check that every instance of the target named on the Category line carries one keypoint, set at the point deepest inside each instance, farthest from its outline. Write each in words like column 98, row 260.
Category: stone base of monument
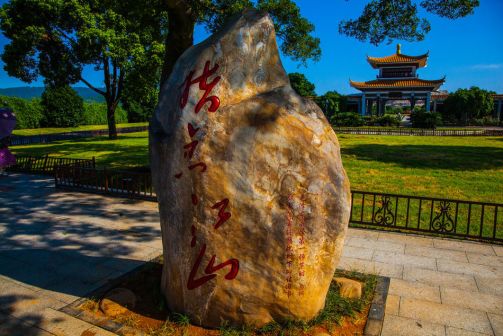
column 149, row 314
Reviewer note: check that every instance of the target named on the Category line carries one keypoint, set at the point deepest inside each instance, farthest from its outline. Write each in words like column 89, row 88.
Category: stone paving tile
column 443, row 279
column 473, row 300
column 496, row 323
column 492, row 286
column 481, row 259
column 432, row 252
column 462, row 332
column 462, row 318
column 375, row 244
column 358, row 252
column 16, row 327
column 371, row 234
column 392, row 305
column 406, row 239
column 24, row 303
column 401, row 326
column 373, row 267
column 464, row 246
column 414, row 290
column 470, row 269
column 62, row 324
column 498, row 250
column 402, row 259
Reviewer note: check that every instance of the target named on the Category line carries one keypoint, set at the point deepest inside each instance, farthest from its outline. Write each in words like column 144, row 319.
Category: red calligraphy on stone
column 203, row 85
column 223, row 215
column 210, row 270
column 199, row 164
column 189, row 149
column 192, row 131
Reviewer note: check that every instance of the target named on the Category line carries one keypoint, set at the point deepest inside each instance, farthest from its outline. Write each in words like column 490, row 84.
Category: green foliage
column 62, row 107
column 96, row 114
column 423, row 119
column 464, row 105
column 57, row 39
column 301, row 84
column 384, row 120
column 348, row 119
column 383, row 20
column 28, row 112
column 141, row 92
column 294, row 31
column 331, row 102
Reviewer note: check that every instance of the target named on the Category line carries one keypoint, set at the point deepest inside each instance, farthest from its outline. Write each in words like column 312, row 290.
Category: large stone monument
column 253, row 198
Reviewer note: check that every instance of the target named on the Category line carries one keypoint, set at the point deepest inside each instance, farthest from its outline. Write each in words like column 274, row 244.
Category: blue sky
column 467, row 51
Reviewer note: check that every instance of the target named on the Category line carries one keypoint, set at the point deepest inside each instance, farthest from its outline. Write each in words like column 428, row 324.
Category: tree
column 398, row 19
column 331, row 103
column 62, row 107
column 57, row 39
column 466, row 104
column 301, row 84
column 380, row 20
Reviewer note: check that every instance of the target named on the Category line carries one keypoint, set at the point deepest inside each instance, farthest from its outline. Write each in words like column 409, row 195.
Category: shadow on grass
column 430, row 157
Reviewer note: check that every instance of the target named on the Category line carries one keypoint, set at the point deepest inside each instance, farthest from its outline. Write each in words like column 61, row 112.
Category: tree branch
column 92, row 87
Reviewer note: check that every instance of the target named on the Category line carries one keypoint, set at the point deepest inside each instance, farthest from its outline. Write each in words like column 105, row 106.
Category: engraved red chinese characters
column 210, row 270
column 203, row 85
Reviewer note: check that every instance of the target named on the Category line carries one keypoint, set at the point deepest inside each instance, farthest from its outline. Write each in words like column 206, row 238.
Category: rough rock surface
column 253, row 198
column 118, row 301
column 349, row 288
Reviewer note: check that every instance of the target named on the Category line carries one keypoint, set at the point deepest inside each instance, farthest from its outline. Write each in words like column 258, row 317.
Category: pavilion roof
column 398, row 83
column 398, row 58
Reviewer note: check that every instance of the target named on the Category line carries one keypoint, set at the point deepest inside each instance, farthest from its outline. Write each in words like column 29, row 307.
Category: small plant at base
column 181, row 319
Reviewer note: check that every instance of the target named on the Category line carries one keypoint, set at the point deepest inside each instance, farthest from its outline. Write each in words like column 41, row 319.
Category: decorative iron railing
column 120, row 183
column 477, row 220
column 46, row 164
column 18, row 140
column 418, row 132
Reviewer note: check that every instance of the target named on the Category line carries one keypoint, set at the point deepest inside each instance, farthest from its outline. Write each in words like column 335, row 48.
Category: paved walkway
column 438, row 286
column 57, row 246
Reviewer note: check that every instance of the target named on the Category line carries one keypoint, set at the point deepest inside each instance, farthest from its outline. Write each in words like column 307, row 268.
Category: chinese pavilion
column 397, row 80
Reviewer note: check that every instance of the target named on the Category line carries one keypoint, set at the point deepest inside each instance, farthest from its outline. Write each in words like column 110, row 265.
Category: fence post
column 94, row 162
column 45, row 162
column 106, row 179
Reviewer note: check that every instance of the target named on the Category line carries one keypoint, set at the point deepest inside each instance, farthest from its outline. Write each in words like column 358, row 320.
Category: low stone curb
column 375, row 318
column 373, row 327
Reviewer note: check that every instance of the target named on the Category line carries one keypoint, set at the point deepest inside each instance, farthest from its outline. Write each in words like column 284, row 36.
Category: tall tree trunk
column 180, row 36
column 112, row 128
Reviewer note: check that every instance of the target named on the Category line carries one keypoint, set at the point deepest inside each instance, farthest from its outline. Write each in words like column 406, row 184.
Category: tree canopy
column 386, row 20
column 62, row 107
column 301, row 84
column 466, row 104
column 56, row 39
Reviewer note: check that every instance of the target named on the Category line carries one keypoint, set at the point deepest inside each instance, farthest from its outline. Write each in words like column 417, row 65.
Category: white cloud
column 487, row 66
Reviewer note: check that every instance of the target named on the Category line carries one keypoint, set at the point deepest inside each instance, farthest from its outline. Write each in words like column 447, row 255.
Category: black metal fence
column 45, row 138
column 467, row 219
column 418, row 132
column 132, row 184
column 46, row 164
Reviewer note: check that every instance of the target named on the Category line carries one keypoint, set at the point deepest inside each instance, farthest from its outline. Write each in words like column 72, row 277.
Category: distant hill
column 28, row 92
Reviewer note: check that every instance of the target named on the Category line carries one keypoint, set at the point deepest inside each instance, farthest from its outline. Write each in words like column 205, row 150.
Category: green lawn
column 469, row 168
column 55, row 130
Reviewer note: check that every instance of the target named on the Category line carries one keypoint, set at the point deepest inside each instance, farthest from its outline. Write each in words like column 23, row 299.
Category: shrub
column 351, row 119
column 28, row 112
column 423, row 119
column 486, row 121
column 467, row 104
column 388, row 120
column 62, row 107
column 96, row 114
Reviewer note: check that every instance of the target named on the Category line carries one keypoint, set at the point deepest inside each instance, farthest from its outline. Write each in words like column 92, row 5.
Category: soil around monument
column 149, row 316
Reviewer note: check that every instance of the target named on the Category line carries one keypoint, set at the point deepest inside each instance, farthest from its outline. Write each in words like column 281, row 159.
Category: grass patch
column 56, row 130
column 340, row 316
column 466, row 168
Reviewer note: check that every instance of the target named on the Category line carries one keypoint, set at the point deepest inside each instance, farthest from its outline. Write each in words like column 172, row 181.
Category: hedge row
column 29, row 113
